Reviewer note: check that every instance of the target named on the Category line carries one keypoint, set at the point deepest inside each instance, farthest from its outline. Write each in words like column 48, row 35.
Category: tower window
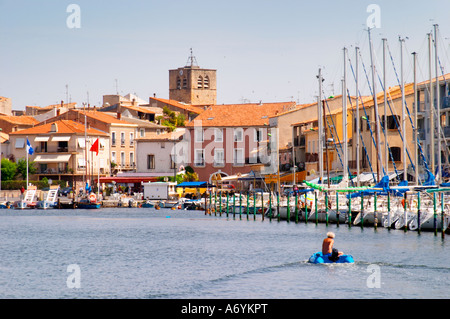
column 200, row 82
column 206, row 82
column 178, row 83
column 184, row 83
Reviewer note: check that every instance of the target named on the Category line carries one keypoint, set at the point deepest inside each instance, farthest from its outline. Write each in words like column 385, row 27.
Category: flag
column 29, row 148
column 94, row 147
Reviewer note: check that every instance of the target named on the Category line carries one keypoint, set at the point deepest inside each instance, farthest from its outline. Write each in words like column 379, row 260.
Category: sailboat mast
column 431, row 107
column 375, row 103
column 438, row 105
column 320, row 125
column 357, row 120
column 416, row 107
column 344, row 118
column 405, row 166
column 386, row 150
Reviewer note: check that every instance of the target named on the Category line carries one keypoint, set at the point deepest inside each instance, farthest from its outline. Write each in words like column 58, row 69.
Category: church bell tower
column 193, row 85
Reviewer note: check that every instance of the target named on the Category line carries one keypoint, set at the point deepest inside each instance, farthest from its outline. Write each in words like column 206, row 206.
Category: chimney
column 119, row 115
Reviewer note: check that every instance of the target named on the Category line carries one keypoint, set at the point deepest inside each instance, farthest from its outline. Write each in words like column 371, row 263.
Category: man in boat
column 327, row 247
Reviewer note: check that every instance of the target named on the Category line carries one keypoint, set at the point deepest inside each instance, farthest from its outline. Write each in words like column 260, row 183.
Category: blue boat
column 319, row 258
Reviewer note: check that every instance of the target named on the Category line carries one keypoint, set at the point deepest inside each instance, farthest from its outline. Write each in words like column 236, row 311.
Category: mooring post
column 288, row 209
column 418, row 212
column 240, row 205
column 434, row 214
column 248, row 195
column 350, row 210
column 254, row 205
column 315, row 204
column 337, row 208
column 278, row 206
column 442, row 215
column 296, row 208
column 262, row 205
column 375, row 220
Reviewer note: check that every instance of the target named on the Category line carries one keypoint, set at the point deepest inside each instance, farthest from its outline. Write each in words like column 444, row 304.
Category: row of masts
column 380, row 169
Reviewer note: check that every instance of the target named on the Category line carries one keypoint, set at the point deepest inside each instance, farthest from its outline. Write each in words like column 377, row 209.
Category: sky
column 263, row 50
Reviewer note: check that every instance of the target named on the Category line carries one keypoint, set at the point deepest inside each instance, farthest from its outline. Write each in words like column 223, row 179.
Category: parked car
column 65, row 191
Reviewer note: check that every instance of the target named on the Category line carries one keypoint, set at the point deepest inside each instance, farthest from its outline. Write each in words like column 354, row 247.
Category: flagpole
column 27, row 150
column 98, row 170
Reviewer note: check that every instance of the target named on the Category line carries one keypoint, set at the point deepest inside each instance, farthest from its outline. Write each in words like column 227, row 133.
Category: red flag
column 94, row 147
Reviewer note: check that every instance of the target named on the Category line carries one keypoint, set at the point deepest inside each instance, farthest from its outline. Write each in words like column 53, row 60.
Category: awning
column 195, row 184
column 52, row 158
column 20, row 142
column 60, row 138
column 41, row 138
column 120, row 180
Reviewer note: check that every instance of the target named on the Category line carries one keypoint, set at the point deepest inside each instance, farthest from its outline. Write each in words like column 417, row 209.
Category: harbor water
column 178, row 254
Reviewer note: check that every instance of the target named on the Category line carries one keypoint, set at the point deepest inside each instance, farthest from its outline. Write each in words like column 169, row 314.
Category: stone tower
column 193, row 85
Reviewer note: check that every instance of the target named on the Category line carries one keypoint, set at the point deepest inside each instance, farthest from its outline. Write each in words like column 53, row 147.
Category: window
column 218, row 135
column 206, row 82
column 238, row 157
column 44, row 147
column 173, row 164
column 184, row 83
column 163, row 145
column 20, row 143
column 131, row 159
column 131, row 139
column 200, row 82
column 122, row 138
column 219, row 157
column 238, row 134
column 396, row 154
column 150, row 161
column 142, row 132
column 258, row 134
column 198, row 133
column 178, row 82
column 63, row 146
column 122, row 159
column 199, row 158
column 113, row 138
column 113, row 157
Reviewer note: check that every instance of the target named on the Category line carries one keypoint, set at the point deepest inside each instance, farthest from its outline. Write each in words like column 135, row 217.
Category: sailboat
column 51, row 200
column 29, row 200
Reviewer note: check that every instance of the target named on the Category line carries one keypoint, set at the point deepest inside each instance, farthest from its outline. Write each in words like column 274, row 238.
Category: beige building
column 120, row 132
column 60, row 150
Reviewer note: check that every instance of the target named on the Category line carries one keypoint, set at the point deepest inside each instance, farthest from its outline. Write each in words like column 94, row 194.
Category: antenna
column 117, row 86
column 191, row 60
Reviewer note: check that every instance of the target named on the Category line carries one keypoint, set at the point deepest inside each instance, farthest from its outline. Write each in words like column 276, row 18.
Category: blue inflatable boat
column 319, row 258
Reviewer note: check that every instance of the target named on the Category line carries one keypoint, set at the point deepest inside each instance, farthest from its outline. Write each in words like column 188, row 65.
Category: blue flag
column 29, row 148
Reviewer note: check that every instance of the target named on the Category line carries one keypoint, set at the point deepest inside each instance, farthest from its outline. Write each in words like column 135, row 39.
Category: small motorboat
column 319, row 258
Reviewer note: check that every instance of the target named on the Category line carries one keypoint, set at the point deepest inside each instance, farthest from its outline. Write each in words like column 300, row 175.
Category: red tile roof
column 64, row 127
column 241, row 115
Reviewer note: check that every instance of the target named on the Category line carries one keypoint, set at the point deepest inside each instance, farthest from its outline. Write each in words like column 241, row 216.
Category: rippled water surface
column 144, row 253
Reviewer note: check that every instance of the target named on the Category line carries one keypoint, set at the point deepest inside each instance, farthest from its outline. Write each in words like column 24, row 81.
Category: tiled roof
column 241, row 115
column 64, row 127
column 23, row 119
column 49, row 107
column 138, row 108
column 188, row 107
column 102, row 116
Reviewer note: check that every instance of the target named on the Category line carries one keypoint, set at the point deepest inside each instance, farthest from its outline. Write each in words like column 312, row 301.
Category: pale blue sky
column 262, row 50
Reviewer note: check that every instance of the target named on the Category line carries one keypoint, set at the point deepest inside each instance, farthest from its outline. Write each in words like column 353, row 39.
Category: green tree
column 22, row 168
column 171, row 119
column 9, row 169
